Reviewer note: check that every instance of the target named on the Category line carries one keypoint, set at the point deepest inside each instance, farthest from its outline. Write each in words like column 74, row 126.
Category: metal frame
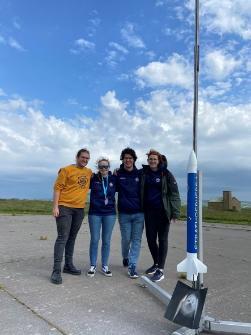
column 207, row 323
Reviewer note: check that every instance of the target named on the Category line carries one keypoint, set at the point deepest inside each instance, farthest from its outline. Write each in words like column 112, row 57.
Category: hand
column 115, row 171
column 55, row 211
column 173, row 221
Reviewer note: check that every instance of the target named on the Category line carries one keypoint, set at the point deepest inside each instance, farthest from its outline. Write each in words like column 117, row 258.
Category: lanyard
column 105, row 187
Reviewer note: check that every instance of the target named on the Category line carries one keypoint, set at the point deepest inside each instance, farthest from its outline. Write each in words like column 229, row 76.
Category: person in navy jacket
column 102, row 215
column 161, row 202
column 131, row 217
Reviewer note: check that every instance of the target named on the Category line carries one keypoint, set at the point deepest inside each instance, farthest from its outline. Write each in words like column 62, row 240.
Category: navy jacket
column 97, row 197
column 128, row 184
column 169, row 191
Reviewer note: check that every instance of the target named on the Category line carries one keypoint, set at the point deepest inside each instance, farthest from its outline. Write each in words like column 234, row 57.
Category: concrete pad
column 117, row 305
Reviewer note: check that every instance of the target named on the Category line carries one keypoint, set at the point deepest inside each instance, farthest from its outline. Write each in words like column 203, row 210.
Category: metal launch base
column 208, row 324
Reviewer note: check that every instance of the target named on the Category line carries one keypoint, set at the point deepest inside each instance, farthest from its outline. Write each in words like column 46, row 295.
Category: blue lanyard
column 105, row 187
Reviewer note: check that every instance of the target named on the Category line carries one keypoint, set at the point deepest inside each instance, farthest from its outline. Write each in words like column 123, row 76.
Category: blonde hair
column 100, row 159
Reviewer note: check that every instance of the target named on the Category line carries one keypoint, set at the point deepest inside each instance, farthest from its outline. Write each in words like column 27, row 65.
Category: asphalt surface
column 31, row 305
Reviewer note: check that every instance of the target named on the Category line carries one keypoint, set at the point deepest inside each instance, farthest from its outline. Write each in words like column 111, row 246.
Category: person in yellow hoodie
column 70, row 192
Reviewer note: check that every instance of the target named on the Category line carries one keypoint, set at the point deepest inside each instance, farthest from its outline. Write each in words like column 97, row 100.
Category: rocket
column 191, row 264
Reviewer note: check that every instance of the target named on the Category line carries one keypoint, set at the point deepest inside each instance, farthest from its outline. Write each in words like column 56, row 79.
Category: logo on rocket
column 191, row 264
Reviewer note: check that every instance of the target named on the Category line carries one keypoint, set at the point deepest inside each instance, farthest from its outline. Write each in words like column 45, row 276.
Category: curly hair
column 128, row 151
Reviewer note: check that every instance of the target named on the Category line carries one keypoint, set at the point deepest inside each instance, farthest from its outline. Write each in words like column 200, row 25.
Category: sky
column 110, row 74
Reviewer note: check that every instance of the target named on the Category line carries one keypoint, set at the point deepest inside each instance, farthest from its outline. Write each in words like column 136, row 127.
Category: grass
column 217, row 216
column 44, row 207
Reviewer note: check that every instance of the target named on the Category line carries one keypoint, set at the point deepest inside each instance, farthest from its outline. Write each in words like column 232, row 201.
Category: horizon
column 110, row 75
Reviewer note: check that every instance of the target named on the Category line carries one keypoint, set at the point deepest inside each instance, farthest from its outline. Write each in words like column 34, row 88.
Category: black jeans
column 68, row 224
column 157, row 225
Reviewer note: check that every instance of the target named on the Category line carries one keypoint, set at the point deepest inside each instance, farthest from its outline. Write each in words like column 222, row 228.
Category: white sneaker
column 92, row 271
column 106, row 271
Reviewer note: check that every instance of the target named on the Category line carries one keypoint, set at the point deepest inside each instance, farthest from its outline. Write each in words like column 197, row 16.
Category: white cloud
column 220, row 65
column 15, row 44
column 132, row 39
column 175, row 71
column 118, row 47
column 225, row 16
column 37, row 145
column 115, row 54
column 81, row 45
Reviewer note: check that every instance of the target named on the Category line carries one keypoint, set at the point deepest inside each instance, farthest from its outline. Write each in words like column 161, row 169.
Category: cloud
column 15, row 44
column 2, row 93
column 115, row 54
column 131, row 38
column 225, row 16
column 220, row 64
column 175, row 71
column 82, row 45
column 36, row 145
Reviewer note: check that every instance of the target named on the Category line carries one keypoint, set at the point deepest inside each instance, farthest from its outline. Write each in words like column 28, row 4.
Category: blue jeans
column 131, row 227
column 95, row 223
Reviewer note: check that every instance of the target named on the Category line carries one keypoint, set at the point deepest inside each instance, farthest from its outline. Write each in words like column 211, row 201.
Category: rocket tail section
column 192, row 266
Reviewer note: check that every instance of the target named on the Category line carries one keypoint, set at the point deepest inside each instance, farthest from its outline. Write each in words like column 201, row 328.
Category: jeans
column 95, row 223
column 157, row 225
column 68, row 224
column 131, row 227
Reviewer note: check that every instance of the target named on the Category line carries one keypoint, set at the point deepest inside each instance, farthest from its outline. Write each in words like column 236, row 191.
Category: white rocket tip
column 192, row 163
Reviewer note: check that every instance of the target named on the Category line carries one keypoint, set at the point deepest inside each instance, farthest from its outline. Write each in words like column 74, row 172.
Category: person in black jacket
column 102, row 215
column 131, row 217
column 161, row 202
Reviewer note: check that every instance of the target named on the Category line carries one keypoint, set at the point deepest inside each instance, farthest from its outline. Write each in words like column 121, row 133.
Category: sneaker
column 71, row 270
column 157, row 276
column 106, row 271
column 92, row 271
column 125, row 262
column 132, row 272
column 56, row 277
column 152, row 269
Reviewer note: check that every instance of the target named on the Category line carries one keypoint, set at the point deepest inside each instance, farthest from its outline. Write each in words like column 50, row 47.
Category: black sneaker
column 56, row 277
column 92, row 271
column 125, row 262
column 106, row 271
column 132, row 272
column 71, row 270
column 152, row 269
column 157, row 276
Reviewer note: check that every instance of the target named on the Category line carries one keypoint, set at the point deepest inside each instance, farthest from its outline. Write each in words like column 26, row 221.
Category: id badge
column 106, row 201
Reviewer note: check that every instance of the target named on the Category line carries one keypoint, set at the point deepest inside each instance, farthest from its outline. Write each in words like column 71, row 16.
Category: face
column 128, row 162
column 83, row 159
column 103, row 167
column 153, row 162
column 189, row 306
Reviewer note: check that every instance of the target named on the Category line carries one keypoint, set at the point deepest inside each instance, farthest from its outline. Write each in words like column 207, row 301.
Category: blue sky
column 111, row 74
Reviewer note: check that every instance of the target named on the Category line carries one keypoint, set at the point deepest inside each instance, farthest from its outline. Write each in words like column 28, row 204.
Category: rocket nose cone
column 192, row 163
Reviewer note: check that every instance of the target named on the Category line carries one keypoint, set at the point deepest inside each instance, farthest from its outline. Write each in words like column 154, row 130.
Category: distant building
column 226, row 203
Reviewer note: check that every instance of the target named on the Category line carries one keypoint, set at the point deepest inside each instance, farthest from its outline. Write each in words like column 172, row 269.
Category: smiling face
column 83, row 159
column 153, row 161
column 103, row 167
column 128, row 162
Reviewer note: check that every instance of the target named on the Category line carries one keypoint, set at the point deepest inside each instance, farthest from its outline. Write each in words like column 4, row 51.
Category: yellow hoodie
column 73, row 184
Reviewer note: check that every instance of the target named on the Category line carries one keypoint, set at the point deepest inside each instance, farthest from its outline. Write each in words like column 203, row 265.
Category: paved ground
column 31, row 305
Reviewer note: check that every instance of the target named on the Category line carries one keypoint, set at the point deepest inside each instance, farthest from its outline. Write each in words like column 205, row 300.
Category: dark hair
column 156, row 153
column 82, row 150
column 128, row 151
column 164, row 161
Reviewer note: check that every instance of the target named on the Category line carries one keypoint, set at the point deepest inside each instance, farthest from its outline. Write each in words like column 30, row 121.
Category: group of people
column 146, row 197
